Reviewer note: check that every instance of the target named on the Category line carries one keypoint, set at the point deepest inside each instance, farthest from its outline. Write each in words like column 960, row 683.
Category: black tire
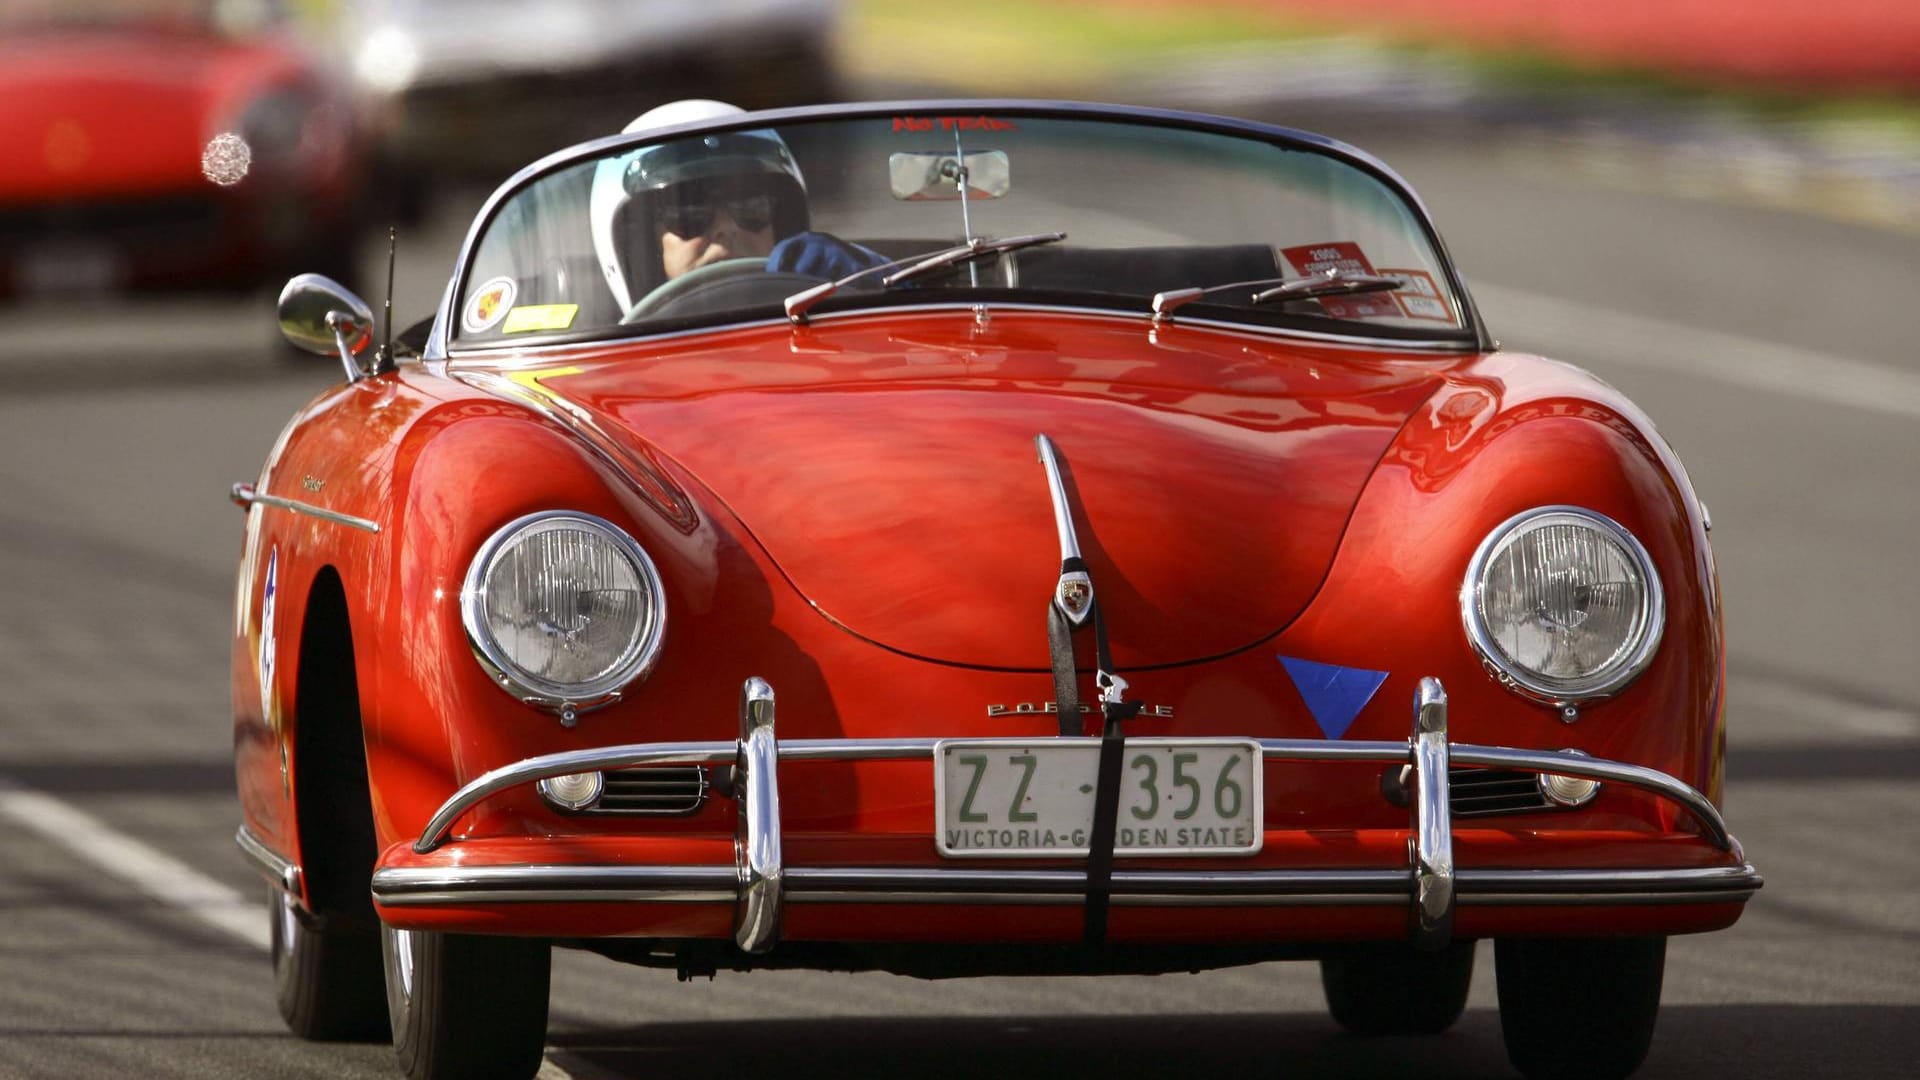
column 328, row 985
column 467, row 1006
column 1397, row 989
column 1579, row 1008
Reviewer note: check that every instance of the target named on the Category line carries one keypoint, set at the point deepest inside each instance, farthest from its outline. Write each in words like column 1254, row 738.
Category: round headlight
column 564, row 609
column 1563, row 604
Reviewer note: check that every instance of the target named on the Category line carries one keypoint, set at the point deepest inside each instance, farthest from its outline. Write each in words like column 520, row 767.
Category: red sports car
column 968, row 538
column 167, row 144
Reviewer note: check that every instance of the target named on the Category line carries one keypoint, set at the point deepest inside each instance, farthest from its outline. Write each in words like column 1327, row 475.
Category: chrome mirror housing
column 322, row 316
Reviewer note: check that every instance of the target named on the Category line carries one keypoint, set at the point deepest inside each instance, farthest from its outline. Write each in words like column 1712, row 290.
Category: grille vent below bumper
column 1485, row 792
column 659, row 790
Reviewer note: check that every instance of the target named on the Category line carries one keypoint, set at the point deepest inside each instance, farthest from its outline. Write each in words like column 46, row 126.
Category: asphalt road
column 1773, row 349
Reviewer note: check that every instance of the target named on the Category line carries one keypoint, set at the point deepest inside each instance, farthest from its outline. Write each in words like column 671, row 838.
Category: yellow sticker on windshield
column 540, row 317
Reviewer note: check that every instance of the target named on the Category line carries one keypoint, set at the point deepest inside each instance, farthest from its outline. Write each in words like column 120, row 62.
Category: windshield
column 729, row 226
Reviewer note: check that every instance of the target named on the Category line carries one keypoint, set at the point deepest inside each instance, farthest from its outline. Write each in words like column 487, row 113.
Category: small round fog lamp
column 574, row 791
column 1568, row 790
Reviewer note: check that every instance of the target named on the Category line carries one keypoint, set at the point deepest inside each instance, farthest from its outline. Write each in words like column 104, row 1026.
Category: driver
column 664, row 211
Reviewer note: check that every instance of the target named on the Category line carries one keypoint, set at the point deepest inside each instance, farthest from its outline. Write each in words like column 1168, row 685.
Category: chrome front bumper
column 759, row 883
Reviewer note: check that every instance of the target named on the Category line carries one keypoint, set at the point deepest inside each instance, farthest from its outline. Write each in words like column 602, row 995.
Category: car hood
column 889, row 468
column 112, row 112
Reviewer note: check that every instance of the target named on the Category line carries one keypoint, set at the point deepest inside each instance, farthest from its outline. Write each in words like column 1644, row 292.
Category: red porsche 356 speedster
column 969, row 538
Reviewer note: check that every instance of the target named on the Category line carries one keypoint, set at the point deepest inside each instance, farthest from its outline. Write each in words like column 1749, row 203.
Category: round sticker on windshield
column 488, row 306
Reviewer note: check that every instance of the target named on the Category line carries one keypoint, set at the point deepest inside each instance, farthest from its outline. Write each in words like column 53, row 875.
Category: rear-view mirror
column 922, row 177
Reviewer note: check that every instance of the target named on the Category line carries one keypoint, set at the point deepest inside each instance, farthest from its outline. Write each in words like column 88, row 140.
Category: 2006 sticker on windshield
column 1420, row 298
column 1312, row 259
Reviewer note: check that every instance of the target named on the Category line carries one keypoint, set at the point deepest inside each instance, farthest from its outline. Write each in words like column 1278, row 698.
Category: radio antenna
column 386, row 347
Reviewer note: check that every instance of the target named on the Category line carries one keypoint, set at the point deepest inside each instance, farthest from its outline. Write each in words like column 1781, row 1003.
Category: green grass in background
column 1084, row 48
column 1030, row 48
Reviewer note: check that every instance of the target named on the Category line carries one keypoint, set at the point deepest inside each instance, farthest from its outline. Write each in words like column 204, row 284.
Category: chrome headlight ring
column 637, row 650
column 1625, row 662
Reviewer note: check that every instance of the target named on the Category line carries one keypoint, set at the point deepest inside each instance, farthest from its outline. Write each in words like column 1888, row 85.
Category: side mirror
column 322, row 316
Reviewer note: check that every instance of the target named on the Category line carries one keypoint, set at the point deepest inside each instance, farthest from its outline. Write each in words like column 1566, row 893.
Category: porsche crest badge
column 1074, row 594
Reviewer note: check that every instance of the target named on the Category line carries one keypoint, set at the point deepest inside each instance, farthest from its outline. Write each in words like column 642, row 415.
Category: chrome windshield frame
column 439, row 346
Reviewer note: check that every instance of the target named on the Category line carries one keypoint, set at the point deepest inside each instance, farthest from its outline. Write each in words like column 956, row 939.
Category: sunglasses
column 691, row 214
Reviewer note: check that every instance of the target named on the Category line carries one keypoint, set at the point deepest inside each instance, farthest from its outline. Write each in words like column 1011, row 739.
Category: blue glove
column 819, row 255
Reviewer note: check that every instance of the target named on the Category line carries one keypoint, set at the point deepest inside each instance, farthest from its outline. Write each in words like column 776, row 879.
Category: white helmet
column 617, row 210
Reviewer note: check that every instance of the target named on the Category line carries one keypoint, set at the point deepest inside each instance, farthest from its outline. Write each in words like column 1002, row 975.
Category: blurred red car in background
column 169, row 144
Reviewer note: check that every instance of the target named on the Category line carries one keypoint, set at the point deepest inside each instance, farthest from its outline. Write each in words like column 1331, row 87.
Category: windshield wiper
column 1332, row 281
column 914, row 266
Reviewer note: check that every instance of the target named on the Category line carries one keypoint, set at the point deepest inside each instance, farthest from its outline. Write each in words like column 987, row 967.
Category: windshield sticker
column 540, row 317
column 951, row 123
column 488, row 306
column 1320, row 258
column 1420, row 297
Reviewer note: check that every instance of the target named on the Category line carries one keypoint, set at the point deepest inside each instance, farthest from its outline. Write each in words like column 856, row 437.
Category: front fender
column 1506, row 435
column 434, row 719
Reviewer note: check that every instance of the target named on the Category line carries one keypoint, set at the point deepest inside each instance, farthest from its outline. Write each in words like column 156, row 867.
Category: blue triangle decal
column 1334, row 694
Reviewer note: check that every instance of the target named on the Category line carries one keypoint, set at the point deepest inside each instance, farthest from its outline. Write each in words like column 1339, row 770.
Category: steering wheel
column 714, row 282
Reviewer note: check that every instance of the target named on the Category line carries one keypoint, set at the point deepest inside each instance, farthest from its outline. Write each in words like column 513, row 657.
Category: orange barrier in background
column 1824, row 44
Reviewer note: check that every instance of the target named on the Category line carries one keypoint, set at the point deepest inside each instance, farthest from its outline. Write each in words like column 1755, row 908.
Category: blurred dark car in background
column 170, row 144
column 473, row 89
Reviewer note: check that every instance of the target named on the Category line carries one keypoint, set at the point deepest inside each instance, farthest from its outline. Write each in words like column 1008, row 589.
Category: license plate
column 1034, row 797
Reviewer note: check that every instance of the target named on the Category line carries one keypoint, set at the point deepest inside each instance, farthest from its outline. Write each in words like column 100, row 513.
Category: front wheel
column 327, row 983
column 1579, row 1007
column 1397, row 989
column 467, row 1006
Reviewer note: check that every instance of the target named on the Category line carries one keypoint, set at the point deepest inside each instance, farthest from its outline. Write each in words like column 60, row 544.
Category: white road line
column 159, row 875
column 1580, row 332
column 152, row 872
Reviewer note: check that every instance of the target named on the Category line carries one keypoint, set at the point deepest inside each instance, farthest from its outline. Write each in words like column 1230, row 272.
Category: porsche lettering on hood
column 1213, row 477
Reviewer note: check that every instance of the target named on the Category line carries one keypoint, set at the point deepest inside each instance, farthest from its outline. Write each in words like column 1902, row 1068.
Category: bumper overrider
column 759, row 884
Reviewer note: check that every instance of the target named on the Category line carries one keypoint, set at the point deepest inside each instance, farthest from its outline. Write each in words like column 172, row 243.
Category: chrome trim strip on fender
column 245, row 495
column 416, row 887
column 1432, row 915
column 276, row 868
column 757, row 826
